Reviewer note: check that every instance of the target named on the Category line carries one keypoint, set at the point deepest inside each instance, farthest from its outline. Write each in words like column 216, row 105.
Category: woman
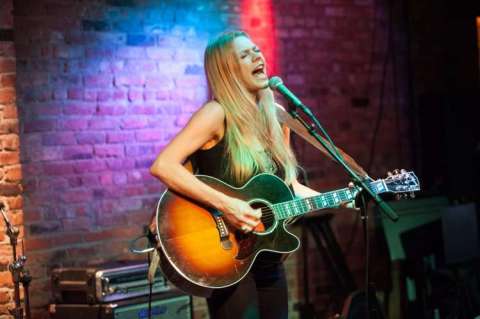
column 233, row 137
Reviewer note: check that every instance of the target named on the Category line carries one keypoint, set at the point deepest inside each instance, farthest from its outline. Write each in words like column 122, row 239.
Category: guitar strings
column 269, row 214
column 282, row 210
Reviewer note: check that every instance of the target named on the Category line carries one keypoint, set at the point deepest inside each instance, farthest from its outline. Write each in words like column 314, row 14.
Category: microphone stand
column 357, row 180
column 18, row 271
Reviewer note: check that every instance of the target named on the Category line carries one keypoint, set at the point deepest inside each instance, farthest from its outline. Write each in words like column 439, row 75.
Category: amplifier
column 163, row 306
column 105, row 283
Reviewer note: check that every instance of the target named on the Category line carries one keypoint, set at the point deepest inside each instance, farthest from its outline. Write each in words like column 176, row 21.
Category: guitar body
column 196, row 255
column 200, row 251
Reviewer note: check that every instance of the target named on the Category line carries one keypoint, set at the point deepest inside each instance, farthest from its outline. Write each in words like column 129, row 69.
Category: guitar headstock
column 402, row 183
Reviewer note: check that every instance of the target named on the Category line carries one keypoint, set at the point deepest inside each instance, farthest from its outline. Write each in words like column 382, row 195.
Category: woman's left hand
column 350, row 204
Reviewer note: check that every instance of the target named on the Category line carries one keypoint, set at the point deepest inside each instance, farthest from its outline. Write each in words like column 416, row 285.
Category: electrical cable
column 381, row 105
column 150, row 289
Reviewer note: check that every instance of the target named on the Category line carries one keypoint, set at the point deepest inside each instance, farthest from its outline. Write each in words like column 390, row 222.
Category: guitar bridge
column 222, row 231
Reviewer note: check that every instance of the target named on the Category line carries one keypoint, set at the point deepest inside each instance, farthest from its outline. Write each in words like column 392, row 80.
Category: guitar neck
column 298, row 207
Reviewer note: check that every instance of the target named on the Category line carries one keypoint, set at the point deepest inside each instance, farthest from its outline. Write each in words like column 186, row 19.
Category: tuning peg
column 412, row 195
column 389, row 173
column 403, row 171
column 398, row 196
column 396, row 171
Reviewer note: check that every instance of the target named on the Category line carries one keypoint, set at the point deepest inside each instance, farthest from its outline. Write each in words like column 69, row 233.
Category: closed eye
column 246, row 52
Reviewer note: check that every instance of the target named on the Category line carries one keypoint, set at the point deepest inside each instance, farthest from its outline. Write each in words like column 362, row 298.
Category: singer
column 234, row 136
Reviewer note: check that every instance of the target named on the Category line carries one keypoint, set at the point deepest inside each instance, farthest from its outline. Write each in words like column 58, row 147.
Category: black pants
column 261, row 294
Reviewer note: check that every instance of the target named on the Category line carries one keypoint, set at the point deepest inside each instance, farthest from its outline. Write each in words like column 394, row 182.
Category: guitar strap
column 154, row 262
column 286, row 119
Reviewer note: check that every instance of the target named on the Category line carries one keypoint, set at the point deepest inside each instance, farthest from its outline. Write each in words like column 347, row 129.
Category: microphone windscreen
column 274, row 82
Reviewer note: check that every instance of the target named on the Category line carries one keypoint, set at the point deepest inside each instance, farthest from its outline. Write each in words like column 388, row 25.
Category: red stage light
column 258, row 20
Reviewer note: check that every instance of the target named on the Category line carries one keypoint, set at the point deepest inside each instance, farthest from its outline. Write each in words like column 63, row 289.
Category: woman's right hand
column 241, row 215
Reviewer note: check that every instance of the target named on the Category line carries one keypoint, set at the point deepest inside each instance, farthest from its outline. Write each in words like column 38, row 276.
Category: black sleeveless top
column 213, row 162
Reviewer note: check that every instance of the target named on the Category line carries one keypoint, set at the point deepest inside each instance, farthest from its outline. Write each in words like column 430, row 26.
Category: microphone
column 276, row 83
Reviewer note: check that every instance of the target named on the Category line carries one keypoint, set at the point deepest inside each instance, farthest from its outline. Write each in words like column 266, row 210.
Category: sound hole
column 268, row 218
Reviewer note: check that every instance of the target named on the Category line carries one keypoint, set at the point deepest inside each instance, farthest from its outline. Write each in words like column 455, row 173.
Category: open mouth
column 259, row 71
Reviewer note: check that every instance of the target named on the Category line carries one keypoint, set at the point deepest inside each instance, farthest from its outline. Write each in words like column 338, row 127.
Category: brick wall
column 10, row 169
column 103, row 86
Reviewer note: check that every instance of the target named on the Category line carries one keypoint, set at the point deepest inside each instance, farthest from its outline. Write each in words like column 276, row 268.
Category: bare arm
column 204, row 126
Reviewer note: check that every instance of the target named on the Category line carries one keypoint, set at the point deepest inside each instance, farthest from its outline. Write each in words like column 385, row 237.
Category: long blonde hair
column 253, row 135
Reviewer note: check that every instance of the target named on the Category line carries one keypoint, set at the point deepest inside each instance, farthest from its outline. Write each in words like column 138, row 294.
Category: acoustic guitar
column 199, row 251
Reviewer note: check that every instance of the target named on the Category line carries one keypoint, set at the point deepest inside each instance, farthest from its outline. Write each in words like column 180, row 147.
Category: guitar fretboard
column 331, row 199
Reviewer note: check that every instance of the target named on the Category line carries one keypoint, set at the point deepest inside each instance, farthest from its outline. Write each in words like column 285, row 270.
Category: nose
column 255, row 56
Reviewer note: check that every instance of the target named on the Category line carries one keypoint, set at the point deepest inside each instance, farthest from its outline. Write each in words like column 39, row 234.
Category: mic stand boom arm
column 357, row 180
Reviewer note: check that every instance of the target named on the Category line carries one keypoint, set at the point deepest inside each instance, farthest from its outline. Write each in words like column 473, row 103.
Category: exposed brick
column 120, row 164
column 67, row 138
column 88, row 166
column 9, row 142
column 5, row 297
column 15, row 202
column 104, row 95
column 149, row 135
column 90, row 95
column 98, row 81
column 188, row 55
column 13, row 174
column 119, row 95
column 158, row 81
column 7, row 95
column 79, row 108
column 101, row 53
column 163, row 94
column 68, row 52
column 62, row 168
column 40, row 126
column 44, row 228
column 120, row 178
column 139, row 150
column 130, row 53
column 111, row 109
column 77, row 224
column 35, row 244
column 77, row 196
column 7, row 65
column 90, row 138
column 6, row 279
column 10, row 112
column 7, row 80
column 149, row 95
column 46, row 109
column 109, row 150
column 120, row 137
column 75, row 94
column 118, row 232
column 129, row 79
column 134, row 123
column 78, row 152
column 9, row 158
column 135, row 95
column 60, row 94
column 103, row 124
column 164, row 54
